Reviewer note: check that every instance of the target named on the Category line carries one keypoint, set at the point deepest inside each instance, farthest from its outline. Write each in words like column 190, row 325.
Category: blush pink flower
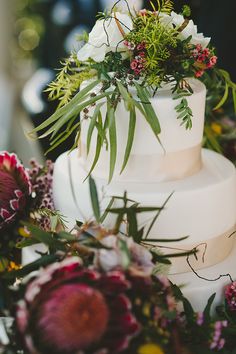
column 213, row 60
column 15, row 188
column 199, row 73
column 70, row 309
column 230, row 295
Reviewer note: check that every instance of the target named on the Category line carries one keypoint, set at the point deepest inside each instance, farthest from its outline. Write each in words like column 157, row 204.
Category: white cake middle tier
column 203, row 206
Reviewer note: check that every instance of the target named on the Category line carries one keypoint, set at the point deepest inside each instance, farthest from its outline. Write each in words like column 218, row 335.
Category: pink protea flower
column 15, row 187
column 70, row 309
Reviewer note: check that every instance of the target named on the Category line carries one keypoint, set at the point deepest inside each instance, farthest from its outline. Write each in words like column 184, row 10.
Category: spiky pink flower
column 70, row 309
column 15, row 187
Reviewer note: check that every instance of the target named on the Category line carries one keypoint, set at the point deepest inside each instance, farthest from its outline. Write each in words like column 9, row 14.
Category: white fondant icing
column 194, row 209
column 198, row 290
column 174, row 137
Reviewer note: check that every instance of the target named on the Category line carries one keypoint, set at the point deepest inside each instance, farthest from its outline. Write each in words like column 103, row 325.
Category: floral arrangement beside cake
column 127, row 241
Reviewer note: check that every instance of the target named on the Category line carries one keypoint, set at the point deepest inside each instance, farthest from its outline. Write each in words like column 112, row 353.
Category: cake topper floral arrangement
column 128, row 56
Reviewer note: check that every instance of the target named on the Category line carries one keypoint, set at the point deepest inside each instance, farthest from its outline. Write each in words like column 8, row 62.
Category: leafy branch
column 183, row 110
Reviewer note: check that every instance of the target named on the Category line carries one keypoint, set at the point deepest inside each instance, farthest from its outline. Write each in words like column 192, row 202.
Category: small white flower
column 106, row 37
column 175, row 20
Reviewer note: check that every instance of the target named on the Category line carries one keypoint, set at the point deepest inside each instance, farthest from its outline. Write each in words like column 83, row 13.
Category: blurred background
column 36, row 34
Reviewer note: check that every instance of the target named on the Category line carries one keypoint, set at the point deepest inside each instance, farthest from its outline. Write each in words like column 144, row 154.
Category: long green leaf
column 104, row 215
column 150, row 115
column 157, row 215
column 94, row 199
column 41, row 262
column 113, row 142
column 44, row 237
column 75, row 112
column 97, row 154
column 128, row 100
column 234, row 99
column 207, row 310
column 92, row 124
column 64, row 137
column 60, row 112
column 131, row 131
column 224, row 98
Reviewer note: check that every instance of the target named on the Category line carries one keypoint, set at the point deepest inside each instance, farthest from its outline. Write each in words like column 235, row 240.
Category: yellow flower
column 24, row 232
column 13, row 266
column 217, row 129
column 150, row 348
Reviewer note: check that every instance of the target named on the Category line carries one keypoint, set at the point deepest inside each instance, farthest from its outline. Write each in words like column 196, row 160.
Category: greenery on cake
column 128, row 56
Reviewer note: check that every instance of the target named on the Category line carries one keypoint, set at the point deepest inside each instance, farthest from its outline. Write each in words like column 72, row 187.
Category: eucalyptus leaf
column 97, row 154
column 94, row 199
column 92, row 124
column 60, row 112
column 130, row 140
column 224, row 97
column 150, row 114
column 207, row 310
column 113, row 142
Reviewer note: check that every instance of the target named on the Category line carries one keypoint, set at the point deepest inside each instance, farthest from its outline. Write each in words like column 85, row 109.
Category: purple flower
column 15, row 188
column 70, row 309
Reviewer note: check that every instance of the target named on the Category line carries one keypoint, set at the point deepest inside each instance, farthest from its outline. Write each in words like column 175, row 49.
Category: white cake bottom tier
column 202, row 206
column 197, row 288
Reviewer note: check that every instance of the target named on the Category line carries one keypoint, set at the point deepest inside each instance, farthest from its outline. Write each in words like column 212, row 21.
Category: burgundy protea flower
column 15, row 187
column 70, row 309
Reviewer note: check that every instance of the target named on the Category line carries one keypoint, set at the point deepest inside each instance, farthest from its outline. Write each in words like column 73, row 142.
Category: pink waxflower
column 129, row 45
column 143, row 12
column 230, row 295
column 15, row 188
column 134, row 64
column 213, row 60
column 71, row 309
column 199, row 73
column 141, row 46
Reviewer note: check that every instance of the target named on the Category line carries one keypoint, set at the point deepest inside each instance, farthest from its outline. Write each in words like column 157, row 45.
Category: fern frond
column 68, row 80
column 163, row 6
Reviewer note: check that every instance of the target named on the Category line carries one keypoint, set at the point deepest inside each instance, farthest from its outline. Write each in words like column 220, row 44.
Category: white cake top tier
column 178, row 156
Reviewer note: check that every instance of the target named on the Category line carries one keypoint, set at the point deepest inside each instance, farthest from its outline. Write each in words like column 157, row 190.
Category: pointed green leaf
column 113, row 142
column 92, row 124
column 60, row 112
column 150, row 114
column 97, row 154
column 130, row 140
column 207, row 310
column 94, row 198
column 224, row 98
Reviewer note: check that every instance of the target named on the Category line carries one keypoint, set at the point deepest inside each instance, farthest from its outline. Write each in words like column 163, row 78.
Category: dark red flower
column 15, row 187
column 69, row 309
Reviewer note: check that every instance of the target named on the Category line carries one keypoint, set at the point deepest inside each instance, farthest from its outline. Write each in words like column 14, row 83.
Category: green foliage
column 185, row 113
column 165, row 6
column 160, row 43
column 68, row 80
column 186, row 11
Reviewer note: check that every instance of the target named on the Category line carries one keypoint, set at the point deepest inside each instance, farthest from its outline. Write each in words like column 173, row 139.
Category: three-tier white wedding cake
column 201, row 185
